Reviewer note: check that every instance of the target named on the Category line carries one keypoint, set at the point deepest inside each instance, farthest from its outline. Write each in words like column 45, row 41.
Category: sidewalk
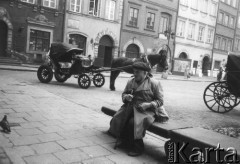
column 33, row 68
column 55, row 130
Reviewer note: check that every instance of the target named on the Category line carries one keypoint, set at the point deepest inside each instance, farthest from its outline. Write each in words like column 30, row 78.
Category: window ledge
column 200, row 41
column 148, row 29
column 128, row 25
column 190, row 39
column 214, row 16
column 194, row 9
column 183, row 5
column 210, row 43
column 205, row 13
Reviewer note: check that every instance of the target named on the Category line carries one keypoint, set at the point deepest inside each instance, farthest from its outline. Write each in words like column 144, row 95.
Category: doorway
column 105, row 51
column 206, row 65
column 3, row 38
column 132, row 51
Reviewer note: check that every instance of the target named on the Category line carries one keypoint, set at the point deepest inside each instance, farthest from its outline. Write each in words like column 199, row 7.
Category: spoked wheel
column 60, row 77
column 84, row 81
column 45, row 73
column 218, row 98
column 98, row 80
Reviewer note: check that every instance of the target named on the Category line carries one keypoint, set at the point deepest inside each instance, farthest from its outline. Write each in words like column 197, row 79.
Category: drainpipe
column 121, row 26
column 214, row 38
column 174, row 41
column 64, row 19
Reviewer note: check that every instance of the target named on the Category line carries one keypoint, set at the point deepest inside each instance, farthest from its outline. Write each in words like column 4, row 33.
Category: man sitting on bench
column 143, row 104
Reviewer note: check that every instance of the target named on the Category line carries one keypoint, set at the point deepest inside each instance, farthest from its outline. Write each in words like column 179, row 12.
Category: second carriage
column 223, row 96
column 63, row 61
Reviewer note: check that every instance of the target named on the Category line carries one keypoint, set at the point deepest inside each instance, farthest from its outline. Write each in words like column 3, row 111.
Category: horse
column 151, row 59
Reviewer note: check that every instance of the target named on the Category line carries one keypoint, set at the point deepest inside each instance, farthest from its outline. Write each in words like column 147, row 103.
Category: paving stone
column 20, row 151
column 28, row 132
column 31, row 125
column 6, row 111
column 49, row 137
column 50, row 129
column 71, row 143
column 72, row 155
column 42, row 159
column 52, row 122
column 101, row 160
column 44, row 148
column 26, row 140
column 95, row 151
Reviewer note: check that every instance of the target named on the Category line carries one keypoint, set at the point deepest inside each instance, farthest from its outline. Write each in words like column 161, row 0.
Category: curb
column 159, row 78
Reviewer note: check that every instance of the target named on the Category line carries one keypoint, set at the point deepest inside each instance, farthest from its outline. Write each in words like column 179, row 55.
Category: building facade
column 94, row 26
column 29, row 26
column 227, row 32
column 195, row 35
column 143, row 26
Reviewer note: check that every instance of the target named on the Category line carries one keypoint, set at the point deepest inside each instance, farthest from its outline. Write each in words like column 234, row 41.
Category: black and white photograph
column 119, row 81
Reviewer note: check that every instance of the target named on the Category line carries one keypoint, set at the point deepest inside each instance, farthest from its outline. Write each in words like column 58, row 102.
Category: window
column 201, row 33
column 29, row 1
column 191, row 31
column 133, row 17
column 94, row 6
column 210, row 36
column 217, row 42
column 150, row 20
column 237, row 44
column 50, row 3
column 194, row 4
column 238, row 25
column 226, row 19
column 228, row 2
column 217, row 64
column 110, row 9
column 214, row 9
column 233, row 3
column 181, row 28
column 75, row 5
column 184, row 2
column 231, row 22
column 223, row 45
column 204, row 6
column 78, row 41
column 39, row 40
column 220, row 17
column 164, row 24
column 229, row 45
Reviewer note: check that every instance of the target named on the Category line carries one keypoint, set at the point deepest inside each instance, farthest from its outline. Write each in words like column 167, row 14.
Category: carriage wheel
column 60, row 77
column 98, row 80
column 84, row 81
column 45, row 73
column 218, row 98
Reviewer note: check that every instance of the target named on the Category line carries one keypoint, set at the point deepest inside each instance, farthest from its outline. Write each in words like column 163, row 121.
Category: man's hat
column 141, row 66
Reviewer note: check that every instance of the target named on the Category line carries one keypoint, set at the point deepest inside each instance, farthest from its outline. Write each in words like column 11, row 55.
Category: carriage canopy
column 63, row 52
column 233, row 74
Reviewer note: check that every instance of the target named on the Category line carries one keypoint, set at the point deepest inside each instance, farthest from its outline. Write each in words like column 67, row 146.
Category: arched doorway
column 132, row 51
column 183, row 55
column 3, row 38
column 78, row 41
column 105, row 50
column 205, row 65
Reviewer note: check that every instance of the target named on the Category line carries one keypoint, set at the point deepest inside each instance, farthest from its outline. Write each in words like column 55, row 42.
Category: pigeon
column 5, row 125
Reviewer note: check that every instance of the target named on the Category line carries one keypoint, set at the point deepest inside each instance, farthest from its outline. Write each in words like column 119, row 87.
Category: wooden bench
column 159, row 129
column 195, row 137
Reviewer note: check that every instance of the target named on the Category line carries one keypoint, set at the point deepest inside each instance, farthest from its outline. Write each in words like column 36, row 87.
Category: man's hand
column 144, row 106
column 128, row 97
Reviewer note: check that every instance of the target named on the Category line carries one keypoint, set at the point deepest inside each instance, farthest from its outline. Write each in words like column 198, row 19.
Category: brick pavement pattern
column 55, row 130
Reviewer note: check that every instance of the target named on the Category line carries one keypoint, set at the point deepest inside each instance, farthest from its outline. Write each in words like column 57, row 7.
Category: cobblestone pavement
column 55, row 130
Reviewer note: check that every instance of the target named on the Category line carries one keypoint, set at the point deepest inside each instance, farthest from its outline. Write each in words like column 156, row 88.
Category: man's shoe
column 134, row 153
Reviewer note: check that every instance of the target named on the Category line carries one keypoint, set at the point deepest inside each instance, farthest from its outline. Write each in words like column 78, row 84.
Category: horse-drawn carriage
column 223, row 96
column 65, row 61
